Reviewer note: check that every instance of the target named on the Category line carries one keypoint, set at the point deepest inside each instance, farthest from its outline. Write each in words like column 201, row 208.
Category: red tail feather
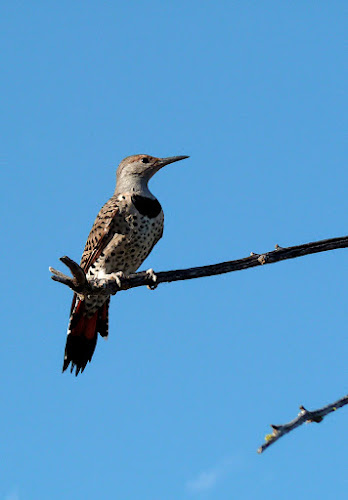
column 83, row 334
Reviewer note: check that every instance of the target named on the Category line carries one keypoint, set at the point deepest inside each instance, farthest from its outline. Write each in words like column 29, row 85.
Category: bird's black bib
column 146, row 206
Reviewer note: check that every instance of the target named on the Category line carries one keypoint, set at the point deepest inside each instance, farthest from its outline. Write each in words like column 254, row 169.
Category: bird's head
column 135, row 171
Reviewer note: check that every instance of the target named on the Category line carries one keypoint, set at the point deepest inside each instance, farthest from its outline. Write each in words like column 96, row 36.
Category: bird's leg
column 117, row 277
column 152, row 275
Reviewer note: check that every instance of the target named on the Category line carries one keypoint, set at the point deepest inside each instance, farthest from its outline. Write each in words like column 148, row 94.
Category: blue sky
column 177, row 401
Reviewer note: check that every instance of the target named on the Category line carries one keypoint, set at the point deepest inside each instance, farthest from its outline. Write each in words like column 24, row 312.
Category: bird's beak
column 165, row 161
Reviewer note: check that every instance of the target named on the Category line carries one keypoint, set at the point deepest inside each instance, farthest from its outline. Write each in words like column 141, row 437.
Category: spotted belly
column 132, row 242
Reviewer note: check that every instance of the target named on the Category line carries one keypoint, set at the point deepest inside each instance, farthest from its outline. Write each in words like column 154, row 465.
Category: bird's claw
column 152, row 275
column 118, row 277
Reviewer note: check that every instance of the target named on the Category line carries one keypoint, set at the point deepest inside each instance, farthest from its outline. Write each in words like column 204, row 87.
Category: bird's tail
column 83, row 334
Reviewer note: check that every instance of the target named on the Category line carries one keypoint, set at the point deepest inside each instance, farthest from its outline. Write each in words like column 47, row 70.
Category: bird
column 124, row 232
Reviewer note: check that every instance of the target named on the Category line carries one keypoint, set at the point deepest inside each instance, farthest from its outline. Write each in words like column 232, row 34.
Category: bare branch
column 116, row 282
column 113, row 284
column 304, row 416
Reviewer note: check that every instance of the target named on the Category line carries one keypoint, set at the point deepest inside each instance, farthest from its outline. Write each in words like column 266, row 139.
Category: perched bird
column 125, row 231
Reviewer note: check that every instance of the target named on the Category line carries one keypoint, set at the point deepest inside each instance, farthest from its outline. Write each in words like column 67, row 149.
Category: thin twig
column 304, row 416
column 110, row 285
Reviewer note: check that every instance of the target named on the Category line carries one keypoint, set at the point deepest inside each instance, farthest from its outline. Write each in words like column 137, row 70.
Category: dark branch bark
column 304, row 416
column 113, row 284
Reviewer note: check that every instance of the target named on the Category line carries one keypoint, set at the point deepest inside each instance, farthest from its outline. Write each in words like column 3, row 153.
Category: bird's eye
column 145, row 160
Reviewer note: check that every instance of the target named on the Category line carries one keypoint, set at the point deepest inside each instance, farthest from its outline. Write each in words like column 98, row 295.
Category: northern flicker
column 125, row 231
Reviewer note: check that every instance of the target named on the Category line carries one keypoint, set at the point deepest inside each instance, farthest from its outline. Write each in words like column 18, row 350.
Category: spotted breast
column 136, row 228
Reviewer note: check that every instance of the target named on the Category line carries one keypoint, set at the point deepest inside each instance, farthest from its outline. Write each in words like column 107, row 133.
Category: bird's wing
column 101, row 234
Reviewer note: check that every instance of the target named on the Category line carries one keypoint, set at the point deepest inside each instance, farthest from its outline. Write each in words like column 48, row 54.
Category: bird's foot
column 118, row 277
column 151, row 274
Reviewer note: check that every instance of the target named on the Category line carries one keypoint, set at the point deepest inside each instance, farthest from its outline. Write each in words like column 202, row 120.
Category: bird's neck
column 133, row 185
